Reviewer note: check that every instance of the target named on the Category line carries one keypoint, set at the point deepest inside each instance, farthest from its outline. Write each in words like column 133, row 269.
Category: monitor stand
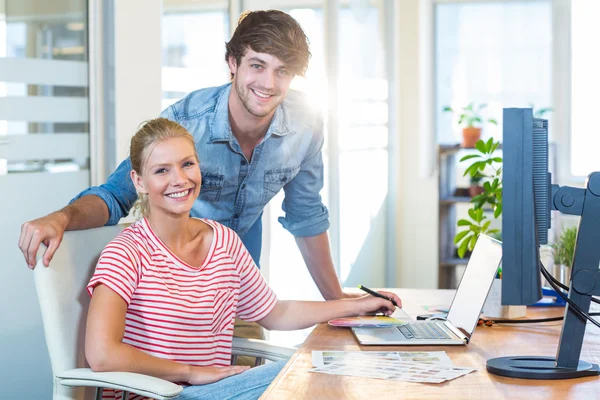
column 538, row 367
column 584, row 277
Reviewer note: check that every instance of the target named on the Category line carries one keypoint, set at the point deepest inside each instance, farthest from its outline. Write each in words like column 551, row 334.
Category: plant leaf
column 472, row 214
column 472, row 242
column 497, row 159
column 463, row 222
column 460, row 235
column 462, row 249
column 468, row 157
column 447, row 108
column 493, row 121
column 498, row 210
column 480, row 146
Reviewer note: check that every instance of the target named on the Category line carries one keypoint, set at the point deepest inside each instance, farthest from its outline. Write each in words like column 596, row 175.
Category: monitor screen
column 525, row 204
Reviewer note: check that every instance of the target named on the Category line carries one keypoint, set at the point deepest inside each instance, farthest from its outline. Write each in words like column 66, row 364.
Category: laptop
column 458, row 327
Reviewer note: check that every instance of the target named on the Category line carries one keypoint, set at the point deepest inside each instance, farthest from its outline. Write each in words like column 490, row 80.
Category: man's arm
column 85, row 212
column 97, row 206
column 316, row 253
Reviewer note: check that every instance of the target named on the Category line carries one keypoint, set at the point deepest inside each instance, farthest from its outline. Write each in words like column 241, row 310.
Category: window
column 498, row 53
column 585, row 87
column 193, row 43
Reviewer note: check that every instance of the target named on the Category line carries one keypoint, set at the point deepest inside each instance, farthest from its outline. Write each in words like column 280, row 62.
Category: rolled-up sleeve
column 305, row 213
column 118, row 193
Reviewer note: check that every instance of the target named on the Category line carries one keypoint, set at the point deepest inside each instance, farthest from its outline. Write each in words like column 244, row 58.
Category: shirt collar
column 220, row 129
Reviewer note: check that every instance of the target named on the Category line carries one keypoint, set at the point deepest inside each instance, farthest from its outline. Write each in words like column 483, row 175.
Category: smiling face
column 260, row 81
column 170, row 177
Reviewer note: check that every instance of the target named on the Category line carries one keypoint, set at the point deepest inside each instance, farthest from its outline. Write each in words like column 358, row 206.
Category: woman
column 167, row 289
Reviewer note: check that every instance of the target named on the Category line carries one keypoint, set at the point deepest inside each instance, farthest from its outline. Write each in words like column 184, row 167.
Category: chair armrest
column 144, row 385
column 261, row 348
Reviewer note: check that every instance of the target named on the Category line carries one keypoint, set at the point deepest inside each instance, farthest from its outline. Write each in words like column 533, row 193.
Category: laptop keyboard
column 423, row 331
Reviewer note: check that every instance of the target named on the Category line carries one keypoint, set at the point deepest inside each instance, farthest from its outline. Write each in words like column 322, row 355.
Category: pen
column 374, row 293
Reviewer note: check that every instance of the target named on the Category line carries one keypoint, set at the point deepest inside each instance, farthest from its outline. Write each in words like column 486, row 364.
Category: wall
column 417, row 212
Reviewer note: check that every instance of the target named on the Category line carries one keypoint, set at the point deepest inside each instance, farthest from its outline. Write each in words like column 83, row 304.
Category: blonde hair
column 150, row 134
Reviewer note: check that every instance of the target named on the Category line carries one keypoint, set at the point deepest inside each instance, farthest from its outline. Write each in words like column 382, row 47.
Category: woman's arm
column 290, row 315
column 105, row 350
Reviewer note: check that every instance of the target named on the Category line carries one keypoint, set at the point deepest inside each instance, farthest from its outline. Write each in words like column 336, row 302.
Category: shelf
column 455, row 199
column 453, row 262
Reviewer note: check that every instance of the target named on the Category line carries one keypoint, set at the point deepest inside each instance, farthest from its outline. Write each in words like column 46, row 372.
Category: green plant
column 475, row 179
column 470, row 115
column 489, row 166
column 564, row 249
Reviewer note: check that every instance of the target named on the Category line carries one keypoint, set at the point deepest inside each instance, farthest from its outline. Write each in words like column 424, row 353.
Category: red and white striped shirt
column 177, row 311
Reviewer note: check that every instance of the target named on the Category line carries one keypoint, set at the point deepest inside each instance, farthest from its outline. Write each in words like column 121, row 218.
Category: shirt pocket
column 276, row 179
column 223, row 311
column 212, row 186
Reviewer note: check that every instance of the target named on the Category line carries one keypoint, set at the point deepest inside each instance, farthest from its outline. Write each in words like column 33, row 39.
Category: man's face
column 261, row 82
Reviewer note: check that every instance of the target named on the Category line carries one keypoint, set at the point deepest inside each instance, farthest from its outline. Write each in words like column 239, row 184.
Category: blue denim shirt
column 235, row 192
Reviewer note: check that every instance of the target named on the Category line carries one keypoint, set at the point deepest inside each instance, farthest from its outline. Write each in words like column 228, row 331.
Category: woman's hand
column 370, row 304
column 204, row 375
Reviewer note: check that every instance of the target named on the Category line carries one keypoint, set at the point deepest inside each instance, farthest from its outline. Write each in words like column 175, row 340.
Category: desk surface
column 295, row 382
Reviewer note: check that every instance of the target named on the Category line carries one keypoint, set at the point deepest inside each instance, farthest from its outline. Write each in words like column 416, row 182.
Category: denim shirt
column 234, row 191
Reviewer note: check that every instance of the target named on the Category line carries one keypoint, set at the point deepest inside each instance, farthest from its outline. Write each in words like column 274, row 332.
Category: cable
column 575, row 307
column 490, row 322
column 556, row 286
column 567, row 288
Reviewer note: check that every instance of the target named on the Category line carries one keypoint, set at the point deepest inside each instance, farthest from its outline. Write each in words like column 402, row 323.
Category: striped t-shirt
column 177, row 311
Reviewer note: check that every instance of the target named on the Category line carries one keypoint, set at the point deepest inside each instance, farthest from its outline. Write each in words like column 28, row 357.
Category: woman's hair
column 145, row 139
column 272, row 32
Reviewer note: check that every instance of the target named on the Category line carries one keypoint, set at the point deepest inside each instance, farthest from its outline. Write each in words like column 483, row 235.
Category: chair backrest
column 62, row 295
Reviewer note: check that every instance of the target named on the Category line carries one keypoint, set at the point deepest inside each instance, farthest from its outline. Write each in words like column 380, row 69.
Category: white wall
column 138, row 53
column 417, row 212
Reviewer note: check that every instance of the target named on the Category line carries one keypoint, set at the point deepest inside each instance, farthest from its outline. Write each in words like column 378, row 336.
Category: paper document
column 411, row 366
column 322, row 358
column 394, row 370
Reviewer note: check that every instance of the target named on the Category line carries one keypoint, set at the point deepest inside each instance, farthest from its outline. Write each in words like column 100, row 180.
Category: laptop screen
column 475, row 284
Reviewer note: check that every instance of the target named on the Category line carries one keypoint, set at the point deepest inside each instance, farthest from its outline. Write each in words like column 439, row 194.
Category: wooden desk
column 295, row 382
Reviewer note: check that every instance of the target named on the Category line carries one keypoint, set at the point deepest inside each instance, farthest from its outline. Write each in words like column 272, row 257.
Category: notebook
column 458, row 327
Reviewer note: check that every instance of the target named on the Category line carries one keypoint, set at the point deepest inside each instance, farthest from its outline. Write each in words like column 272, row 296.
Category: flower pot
column 475, row 190
column 470, row 136
column 493, row 307
column 562, row 273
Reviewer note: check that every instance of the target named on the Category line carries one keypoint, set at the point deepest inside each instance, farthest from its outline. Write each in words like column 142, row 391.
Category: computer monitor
column 527, row 198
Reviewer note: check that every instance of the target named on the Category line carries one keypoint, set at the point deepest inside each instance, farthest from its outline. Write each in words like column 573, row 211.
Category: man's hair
column 143, row 142
column 272, row 32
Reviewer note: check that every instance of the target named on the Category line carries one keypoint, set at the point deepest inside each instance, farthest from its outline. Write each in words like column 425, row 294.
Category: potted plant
column 475, row 187
column 471, row 120
column 564, row 251
column 488, row 167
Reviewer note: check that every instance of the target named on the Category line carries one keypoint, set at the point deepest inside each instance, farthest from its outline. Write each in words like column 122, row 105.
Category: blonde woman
column 166, row 291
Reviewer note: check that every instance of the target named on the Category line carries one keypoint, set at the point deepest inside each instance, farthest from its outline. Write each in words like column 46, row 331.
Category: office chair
column 61, row 290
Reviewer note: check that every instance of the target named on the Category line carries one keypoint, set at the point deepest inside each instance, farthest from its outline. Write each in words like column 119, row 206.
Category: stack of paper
column 425, row 367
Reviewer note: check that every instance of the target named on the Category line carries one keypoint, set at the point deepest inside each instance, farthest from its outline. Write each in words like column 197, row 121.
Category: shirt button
column 236, row 216
column 243, row 186
column 243, row 162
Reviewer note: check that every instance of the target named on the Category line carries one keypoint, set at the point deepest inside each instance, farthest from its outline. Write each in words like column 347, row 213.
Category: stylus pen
column 374, row 293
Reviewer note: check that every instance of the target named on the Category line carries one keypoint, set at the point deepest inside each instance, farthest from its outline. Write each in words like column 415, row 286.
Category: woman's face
column 170, row 177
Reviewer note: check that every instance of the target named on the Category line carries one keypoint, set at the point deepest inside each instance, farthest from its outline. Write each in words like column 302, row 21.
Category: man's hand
column 48, row 230
column 204, row 375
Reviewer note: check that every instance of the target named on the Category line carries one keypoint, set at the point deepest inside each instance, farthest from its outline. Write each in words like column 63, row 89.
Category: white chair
column 61, row 290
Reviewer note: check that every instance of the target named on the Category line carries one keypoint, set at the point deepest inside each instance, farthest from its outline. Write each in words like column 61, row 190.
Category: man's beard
column 244, row 96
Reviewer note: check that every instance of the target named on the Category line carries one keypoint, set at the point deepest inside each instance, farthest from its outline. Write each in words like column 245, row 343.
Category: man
column 253, row 138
